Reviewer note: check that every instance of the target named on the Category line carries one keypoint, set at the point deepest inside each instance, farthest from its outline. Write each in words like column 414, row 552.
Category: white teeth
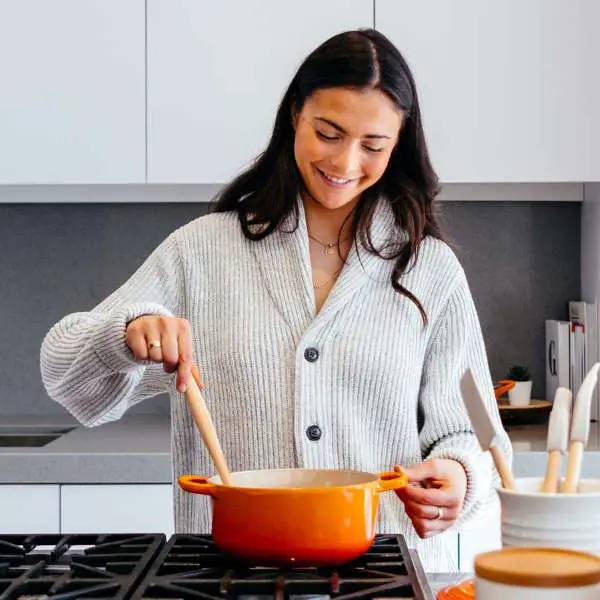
column 337, row 180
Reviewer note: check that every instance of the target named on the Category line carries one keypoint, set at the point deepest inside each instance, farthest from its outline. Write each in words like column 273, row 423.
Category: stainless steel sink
column 27, row 441
column 30, row 436
column 32, row 429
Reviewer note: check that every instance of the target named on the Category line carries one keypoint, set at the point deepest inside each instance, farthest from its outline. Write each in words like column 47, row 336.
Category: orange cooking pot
column 282, row 517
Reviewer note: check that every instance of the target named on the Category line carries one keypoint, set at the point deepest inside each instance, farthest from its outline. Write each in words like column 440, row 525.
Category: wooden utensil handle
column 207, row 429
column 550, row 485
column 504, row 471
column 573, row 467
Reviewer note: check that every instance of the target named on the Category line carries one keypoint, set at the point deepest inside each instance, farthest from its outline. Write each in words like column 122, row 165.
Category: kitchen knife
column 484, row 428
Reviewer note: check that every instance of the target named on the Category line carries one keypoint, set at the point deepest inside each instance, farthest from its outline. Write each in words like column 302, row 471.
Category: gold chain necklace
column 327, row 246
column 322, row 284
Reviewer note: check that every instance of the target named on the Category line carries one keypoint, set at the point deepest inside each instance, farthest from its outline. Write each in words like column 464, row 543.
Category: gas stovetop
column 36, row 567
column 190, row 567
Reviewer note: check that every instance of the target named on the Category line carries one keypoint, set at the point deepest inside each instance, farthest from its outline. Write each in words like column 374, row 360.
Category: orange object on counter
column 462, row 591
column 295, row 517
column 503, row 386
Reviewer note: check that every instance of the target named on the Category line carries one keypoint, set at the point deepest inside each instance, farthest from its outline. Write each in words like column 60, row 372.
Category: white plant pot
column 520, row 395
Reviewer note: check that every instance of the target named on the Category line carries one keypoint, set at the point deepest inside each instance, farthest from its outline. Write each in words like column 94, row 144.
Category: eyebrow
column 374, row 136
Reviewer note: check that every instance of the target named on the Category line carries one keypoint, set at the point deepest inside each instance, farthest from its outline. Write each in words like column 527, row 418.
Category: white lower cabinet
column 29, row 508
column 482, row 536
column 112, row 508
column 148, row 508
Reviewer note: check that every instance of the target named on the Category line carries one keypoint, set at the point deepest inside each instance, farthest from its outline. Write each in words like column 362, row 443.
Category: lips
column 334, row 181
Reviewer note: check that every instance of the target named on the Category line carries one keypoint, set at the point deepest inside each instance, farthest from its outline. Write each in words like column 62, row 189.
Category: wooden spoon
column 207, row 429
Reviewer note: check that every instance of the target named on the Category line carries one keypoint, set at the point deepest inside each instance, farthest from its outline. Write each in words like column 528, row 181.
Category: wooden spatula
column 207, row 429
column 484, row 428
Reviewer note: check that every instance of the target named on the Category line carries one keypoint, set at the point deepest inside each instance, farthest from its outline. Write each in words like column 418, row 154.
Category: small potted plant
column 520, row 395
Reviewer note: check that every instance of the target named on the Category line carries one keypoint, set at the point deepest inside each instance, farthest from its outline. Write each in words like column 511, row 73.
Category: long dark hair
column 266, row 193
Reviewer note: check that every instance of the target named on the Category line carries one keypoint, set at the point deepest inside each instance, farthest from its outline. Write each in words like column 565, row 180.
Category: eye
column 326, row 137
column 369, row 149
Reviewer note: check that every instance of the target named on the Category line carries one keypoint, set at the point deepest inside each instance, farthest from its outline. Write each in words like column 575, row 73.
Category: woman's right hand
column 166, row 340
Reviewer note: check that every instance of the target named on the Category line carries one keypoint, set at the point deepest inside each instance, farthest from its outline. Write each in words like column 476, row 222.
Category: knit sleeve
column 456, row 344
column 85, row 363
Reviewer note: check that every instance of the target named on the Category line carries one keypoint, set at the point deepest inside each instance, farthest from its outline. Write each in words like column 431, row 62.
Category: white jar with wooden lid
column 537, row 574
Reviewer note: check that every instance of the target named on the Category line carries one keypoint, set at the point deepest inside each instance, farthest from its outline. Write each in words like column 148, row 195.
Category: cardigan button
column 313, row 433
column 311, row 355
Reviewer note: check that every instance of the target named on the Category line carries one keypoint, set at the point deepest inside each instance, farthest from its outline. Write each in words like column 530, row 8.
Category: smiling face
column 344, row 139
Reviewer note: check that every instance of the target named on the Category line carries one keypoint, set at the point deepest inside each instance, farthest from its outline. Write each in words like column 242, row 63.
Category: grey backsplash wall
column 522, row 260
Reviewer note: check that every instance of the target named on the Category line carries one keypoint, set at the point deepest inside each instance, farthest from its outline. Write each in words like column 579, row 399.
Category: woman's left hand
column 434, row 495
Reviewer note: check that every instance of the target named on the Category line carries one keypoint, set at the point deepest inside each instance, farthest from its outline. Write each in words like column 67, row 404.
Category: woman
column 328, row 320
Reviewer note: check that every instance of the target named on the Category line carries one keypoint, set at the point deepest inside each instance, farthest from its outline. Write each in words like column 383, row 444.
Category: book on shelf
column 572, row 348
column 585, row 346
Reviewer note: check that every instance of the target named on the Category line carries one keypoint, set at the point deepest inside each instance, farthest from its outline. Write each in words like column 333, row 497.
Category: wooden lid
column 539, row 567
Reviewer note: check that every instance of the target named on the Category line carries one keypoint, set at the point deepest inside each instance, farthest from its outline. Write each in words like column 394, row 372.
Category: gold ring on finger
column 154, row 344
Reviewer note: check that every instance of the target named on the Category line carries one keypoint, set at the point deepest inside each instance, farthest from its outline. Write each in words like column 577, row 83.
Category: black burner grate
column 69, row 567
column 191, row 567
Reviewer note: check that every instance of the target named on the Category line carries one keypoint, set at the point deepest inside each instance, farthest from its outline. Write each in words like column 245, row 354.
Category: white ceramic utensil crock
column 531, row 517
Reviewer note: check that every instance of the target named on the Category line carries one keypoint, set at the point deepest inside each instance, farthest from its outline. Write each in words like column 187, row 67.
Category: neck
column 328, row 224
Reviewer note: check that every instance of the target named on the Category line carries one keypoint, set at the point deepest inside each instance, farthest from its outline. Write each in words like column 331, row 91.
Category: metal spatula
column 484, row 428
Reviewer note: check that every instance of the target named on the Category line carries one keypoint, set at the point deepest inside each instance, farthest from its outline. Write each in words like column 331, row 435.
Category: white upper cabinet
column 186, row 91
column 510, row 90
column 72, row 105
column 217, row 72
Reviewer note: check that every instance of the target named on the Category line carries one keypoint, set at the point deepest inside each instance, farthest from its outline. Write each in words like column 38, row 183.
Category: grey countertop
column 136, row 449
column 529, row 446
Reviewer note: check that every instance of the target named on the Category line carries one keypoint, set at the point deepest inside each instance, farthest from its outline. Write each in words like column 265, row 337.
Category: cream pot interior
column 297, row 478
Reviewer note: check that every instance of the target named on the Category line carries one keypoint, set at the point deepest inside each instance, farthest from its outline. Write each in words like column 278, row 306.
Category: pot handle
column 197, row 485
column 392, row 480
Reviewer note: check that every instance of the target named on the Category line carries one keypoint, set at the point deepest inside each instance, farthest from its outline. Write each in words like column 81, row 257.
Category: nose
column 347, row 160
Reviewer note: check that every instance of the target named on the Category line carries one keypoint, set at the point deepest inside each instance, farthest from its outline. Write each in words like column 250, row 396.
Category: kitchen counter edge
column 137, row 449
